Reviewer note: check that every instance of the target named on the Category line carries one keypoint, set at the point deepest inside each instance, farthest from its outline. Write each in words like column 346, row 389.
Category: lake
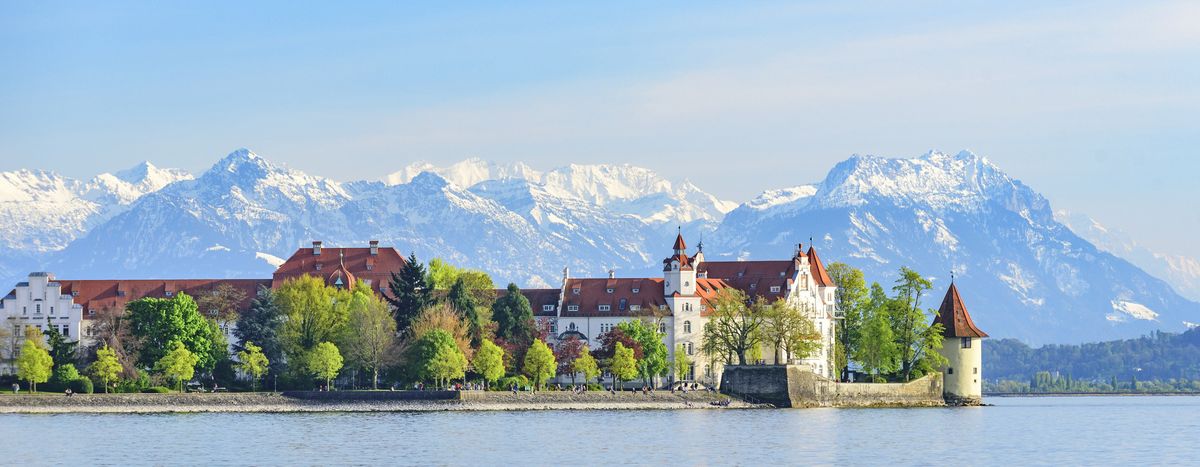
column 1025, row 430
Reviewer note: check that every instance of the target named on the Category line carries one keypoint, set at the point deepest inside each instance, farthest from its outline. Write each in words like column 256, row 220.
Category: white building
column 41, row 303
column 962, row 345
column 678, row 303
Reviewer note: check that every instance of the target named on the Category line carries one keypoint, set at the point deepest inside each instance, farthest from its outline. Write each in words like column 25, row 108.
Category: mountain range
column 1026, row 271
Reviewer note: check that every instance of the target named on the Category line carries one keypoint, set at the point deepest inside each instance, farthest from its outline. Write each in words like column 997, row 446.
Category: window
column 318, row 266
column 774, row 289
column 688, row 347
column 91, row 312
column 575, row 291
column 636, row 290
column 170, row 294
column 605, row 328
column 547, row 307
column 950, row 370
column 604, row 307
column 37, row 308
column 571, row 327
column 687, row 307
column 572, row 307
column 966, row 342
column 609, row 290
column 976, row 370
column 662, row 328
column 662, row 307
column 66, row 330
column 624, row 303
column 51, row 309
column 24, row 310
column 753, row 286
column 687, row 327
column 687, row 283
column 367, row 282
column 635, row 307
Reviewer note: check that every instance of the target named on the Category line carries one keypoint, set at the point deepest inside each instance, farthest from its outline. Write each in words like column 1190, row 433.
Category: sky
column 1094, row 104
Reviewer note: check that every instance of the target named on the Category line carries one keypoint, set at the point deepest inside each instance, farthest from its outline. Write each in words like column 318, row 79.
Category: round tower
column 963, row 348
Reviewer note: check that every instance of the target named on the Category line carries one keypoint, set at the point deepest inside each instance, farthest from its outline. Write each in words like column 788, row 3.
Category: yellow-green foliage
column 35, row 364
column 539, row 363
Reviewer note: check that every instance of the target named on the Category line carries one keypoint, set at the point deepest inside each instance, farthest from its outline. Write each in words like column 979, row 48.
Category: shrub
column 505, row 383
column 156, row 390
column 83, row 386
column 595, row 387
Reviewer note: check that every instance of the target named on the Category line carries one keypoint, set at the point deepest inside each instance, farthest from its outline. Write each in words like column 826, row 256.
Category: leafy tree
column 64, row 374
column 609, row 341
column 443, row 275
column 261, row 325
column 34, row 363
column 916, row 340
column 513, row 316
column 623, row 366
column 586, row 365
column 463, row 301
column 851, row 299
column 787, row 329
column 106, row 368
column 178, row 364
column 157, row 323
column 438, row 358
column 732, row 330
column 111, row 329
column 253, row 362
column 539, row 363
column 312, row 313
column 221, row 304
column 324, row 362
column 683, row 364
column 7, row 344
column 877, row 350
column 372, row 333
column 565, row 354
column 409, row 292
column 489, row 361
column 440, row 316
column 653, row 361
column 62, row 350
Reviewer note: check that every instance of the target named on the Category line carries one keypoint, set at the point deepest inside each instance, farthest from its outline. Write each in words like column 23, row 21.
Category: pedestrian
column 16, row 388
column 68, row 392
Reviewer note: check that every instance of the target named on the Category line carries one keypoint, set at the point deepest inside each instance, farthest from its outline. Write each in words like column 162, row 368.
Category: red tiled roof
column 820, row 276
column 538, row 299
column 679, row 244
column 594, row 292
column 755, row 278
column 359, row 263
column 95, row 295
column 954, row 317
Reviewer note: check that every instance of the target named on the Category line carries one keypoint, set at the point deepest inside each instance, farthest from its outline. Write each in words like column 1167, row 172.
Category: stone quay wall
column 797, row 386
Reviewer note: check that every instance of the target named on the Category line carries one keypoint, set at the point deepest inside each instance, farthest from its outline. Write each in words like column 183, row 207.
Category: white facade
column 963, row 373
column 40, row 303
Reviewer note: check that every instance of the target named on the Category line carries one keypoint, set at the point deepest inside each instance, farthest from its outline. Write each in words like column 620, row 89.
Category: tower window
column 609, row 290
column 966, row 342
column 687, row 327
column 575, row 291
column 950, row 370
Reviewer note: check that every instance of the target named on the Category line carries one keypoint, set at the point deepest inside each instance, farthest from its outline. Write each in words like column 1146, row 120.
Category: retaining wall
column 797, row 386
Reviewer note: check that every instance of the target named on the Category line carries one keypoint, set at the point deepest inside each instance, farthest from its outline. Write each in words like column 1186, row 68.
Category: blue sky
column 1095, row 104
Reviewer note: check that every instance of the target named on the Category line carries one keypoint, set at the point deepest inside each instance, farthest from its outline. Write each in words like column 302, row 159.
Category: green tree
column 851, row 299
column 157, row 322
column 539, row 363
column 463, row 302
column 62, row 349
column 221, row 304
column 623, row 366
column 513, row 316
column 324, row 362
column 34, row 364
column 253, row 362
column 683, row 364
column 489, row 361
column 438, row 358
column 371, row 339
column 654, row 351
column 732, row 330
column 916, row 340
column 312, row 313
column 877, row 350
column 409, row 292
column 586, row 365
column 106, row 368
column 261, row 325
column 787, row 329
column 178, row 364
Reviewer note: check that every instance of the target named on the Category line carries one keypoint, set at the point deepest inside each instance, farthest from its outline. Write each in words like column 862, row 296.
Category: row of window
column 37, row 309
column 64, row 329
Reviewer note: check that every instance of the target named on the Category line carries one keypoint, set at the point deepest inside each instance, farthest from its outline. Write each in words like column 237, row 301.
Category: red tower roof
column 954, row 317
column 679, row 244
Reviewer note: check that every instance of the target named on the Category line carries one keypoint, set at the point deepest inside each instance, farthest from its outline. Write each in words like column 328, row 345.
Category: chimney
column 317, row 248
column 374, row 247
column 612, row 274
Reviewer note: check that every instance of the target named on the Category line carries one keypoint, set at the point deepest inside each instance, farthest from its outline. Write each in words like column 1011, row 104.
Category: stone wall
column 797, row 386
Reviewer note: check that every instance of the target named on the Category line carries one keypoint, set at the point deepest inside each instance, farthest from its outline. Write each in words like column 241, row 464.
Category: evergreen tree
column 260, row 324
column 463, row 302
column 61, row 349
column 513, row 316
column 409, row 292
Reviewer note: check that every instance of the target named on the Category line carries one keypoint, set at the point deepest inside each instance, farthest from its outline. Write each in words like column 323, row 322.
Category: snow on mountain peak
column 937, row 179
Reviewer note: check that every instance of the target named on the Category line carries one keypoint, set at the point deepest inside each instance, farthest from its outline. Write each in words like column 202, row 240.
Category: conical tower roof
column 954, row 317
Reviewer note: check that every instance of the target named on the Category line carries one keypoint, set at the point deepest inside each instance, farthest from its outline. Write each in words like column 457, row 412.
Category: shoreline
column 355, row 402
column 1089, row 394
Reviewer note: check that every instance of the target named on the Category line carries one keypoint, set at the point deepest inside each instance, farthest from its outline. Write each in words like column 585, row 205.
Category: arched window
column 687, row 326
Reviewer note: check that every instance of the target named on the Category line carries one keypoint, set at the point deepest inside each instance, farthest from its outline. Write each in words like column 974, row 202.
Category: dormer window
column 604, row 307
column 635, row 308
column 547, row 307
column 740, row 273
column 318, row 266
column 782, row 274
column 575, row 291
column 572, row 307
column 774, row 289
column 609, row 290
column 753, row 286
column 636, row 290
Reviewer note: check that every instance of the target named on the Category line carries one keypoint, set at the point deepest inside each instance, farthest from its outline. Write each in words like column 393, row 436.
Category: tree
column 623, row 366
column 437, row 357
column 261, row 325
column 788, row 329
column 732, row 330
column 489, row 361
column 110, row 329
column 372, row 333
column 157, row 323
column 324, row 362
column 34, row 364
column 915, row 339
column 106, row 368
column 312, row 313
column 539, row 363
column 7, row 344
column 565, row 354
column 61, row 349
column 850, row 298
column 409, row 292
column 221, row 304
column 253, row 362
column 877, row 350
column 440, row 316
column 178, row 364
column 653, row 361
column 463, row 302
column 682, row 364
column 513, row 316
column 586, row 365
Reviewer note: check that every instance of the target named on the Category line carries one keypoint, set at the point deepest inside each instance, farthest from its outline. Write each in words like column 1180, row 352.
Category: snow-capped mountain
column 1182, row 272
column 42, row 212
column 1023, row 273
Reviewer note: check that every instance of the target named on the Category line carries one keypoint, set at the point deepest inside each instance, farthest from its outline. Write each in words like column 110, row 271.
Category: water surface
column 1037, row 431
